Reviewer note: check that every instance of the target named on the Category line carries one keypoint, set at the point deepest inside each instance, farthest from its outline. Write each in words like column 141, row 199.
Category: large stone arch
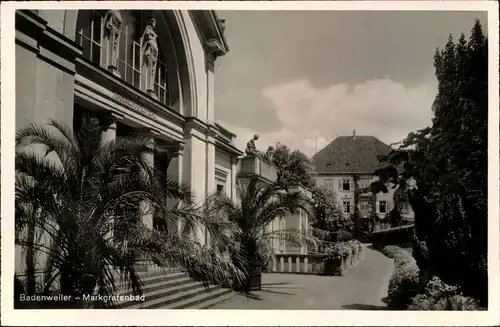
column 183, row 54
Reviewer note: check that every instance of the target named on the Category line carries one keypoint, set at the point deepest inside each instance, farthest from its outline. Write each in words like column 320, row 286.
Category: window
column 329, row 184
column 382, row 207
column 346, row 185
column 346, row 205
column 92, row 36
column 89, row 33
column 404, row 207
column 220, row 189
column 129, row 52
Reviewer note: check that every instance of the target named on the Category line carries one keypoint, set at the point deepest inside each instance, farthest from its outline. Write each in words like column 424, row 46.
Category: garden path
column 363, row 288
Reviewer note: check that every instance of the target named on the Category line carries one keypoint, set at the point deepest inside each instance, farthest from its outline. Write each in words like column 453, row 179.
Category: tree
column 294, row 167
column 399, row 197
column 448, row 162
column 326, row 215
column 79, row 201
column 259, row 205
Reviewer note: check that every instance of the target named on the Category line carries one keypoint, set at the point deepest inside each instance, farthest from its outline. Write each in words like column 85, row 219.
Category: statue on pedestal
column 149, row 45
column 112, row 24
column 251, row 148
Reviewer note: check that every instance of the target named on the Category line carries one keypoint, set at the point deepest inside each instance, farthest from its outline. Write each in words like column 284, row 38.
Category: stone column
column 210, row 88
column 146, row 208
column 108, row 122
column 210, row 175
column 234, row 172
column 195, row 167
column 174, row 170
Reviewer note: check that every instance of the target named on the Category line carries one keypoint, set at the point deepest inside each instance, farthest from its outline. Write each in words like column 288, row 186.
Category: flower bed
column 439, row 296
column 341, row 256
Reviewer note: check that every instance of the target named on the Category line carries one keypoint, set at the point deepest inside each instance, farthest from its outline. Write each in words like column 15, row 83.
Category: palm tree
column 259, row 205
column 79, row 202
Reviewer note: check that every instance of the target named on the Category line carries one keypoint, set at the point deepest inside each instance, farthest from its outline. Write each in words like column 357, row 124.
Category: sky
column 303, row 78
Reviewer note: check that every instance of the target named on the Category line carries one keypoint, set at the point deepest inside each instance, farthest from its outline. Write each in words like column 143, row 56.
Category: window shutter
column 351, row 185
column 378, row 207
column 340, row 185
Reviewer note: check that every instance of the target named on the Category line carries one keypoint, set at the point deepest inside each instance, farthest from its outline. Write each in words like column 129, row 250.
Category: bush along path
column 406, row 292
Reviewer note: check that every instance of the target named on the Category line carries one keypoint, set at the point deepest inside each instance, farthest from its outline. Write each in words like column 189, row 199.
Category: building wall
column 335, row 184
column 225, row 172
column 47, row 66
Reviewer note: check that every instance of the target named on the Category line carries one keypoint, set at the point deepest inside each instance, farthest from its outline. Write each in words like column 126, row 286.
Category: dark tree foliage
column 294, row 167
column 448, row 162
column 395, row 217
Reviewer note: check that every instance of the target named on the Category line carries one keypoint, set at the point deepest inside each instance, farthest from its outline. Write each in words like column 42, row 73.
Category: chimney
column 354, row 134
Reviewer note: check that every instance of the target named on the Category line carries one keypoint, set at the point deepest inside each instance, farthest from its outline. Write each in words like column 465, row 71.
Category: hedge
column 404, row 282
column 394, row 236
column 340, row 236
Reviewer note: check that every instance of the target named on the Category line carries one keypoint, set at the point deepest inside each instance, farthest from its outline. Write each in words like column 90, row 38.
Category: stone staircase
column 174, row 290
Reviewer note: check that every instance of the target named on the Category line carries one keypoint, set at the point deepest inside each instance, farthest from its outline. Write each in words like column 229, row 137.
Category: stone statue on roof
column 251, row 148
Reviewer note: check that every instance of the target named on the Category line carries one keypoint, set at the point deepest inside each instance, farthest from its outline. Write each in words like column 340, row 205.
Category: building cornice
column 33, row 33
column 229, row 148
column 127, row 94
column 196, row 124
column 224, row 130
column 212, row 32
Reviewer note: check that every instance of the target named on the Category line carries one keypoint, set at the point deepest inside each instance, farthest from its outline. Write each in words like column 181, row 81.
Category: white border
column 242, row 317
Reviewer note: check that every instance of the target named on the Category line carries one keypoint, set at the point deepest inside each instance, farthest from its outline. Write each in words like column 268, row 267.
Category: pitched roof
column 348, row 154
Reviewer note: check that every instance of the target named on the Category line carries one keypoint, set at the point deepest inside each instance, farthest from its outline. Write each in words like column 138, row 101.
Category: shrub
column 393, row 236
column 391, row 250
column 344, row 236
column 404, row 282
column 341, row 249
column 440, row 297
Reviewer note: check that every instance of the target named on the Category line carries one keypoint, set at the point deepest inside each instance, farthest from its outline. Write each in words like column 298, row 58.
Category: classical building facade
column 149, row 70
column 349, row 156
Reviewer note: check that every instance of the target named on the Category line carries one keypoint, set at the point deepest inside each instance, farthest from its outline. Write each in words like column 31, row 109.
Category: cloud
column 312, row 117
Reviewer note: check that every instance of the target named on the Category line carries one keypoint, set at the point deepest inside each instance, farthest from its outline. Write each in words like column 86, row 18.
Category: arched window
column 112, row 40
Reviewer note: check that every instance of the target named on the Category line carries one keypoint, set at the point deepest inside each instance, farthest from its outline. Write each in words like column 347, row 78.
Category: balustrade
column 312, row 263
column 251, row 165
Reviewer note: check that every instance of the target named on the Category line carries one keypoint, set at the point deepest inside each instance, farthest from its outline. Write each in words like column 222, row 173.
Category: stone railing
column 251, row 165
column 297, row 264
column 312, row 264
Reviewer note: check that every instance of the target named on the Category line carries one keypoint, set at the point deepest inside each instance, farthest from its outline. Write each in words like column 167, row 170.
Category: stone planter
column 255, row 278
column 334, row 267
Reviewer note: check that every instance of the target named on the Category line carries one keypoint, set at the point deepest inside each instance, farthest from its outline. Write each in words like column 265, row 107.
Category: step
column 122, row 286
column 173, row 299
column 163, row 293
column 198, row 301
column 217, row 300
column 176, row 284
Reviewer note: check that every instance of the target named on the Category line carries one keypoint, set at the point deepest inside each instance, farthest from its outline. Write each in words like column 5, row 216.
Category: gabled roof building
column 346, row 156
